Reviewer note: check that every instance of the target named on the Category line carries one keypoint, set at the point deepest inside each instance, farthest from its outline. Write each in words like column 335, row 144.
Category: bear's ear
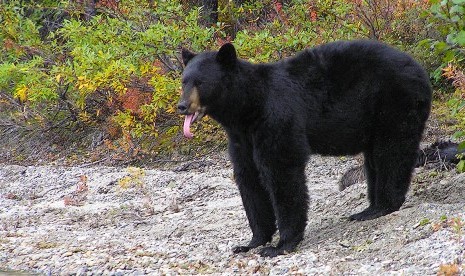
column 227, row 54
column 186, row 55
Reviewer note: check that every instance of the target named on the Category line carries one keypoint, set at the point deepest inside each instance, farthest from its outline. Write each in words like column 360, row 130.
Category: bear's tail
column 442, row 153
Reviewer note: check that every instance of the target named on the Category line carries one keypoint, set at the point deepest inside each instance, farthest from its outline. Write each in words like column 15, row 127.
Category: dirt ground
column 94, row 220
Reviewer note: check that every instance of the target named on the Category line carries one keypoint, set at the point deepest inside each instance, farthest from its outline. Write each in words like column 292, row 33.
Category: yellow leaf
column 21, row 93
column 127, row 121
column 58, row 78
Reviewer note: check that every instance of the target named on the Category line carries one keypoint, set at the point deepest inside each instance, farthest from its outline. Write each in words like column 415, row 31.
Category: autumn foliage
column 115, row 66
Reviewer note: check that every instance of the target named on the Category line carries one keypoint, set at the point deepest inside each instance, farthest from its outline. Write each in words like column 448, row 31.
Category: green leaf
column 461, row 166
column 435, row 8
column 455, row 18
column 460, row 38
column 425, row 42
column 458, row 134
column 458, row 2
column 461, row 105
column 457, row 9
column 440, row 46
column 424, row 222
column 461, row 146
column 448, row 57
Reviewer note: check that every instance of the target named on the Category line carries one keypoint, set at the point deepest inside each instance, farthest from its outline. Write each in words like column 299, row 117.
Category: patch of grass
column 424, row 222
column 14, row 234
column 456, row 224
column 134, row 179
column 46, row 245
column 363, row 246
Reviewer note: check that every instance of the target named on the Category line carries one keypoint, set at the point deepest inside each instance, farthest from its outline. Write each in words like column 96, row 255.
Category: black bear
column 442, row 154
column 340, row 98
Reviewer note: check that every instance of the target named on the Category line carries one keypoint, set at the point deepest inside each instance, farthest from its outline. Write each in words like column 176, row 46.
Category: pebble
column 386, row 262
column 82, row 271
column 35, row 257
column 199, row 239
column 67, row 254
column 252, row 263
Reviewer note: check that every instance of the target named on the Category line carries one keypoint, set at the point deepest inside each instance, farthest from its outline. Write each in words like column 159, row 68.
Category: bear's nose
column 182, row 107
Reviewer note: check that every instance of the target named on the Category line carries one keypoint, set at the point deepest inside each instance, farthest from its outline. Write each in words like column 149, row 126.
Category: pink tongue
column 187, row 125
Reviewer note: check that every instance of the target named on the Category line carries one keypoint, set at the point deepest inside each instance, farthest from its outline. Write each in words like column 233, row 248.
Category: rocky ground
column 93, row 220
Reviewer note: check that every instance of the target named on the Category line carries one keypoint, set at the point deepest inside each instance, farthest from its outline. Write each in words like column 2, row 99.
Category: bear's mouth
column 190, row 119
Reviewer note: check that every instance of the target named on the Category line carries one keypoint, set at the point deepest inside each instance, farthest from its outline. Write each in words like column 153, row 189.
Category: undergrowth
column 104, row 79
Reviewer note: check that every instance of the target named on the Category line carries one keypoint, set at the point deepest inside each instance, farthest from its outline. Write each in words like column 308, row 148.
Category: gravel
column 57, row 220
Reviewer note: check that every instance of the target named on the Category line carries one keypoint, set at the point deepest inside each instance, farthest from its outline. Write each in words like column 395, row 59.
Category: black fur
column 441, row 154
column 340, row 98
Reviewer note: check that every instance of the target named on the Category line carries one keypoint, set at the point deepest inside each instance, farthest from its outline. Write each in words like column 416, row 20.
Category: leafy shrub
column 448, row 19
column 392, row 20
column 457, row 104
column 282, row 30
column 115, row 68
column 115, row 65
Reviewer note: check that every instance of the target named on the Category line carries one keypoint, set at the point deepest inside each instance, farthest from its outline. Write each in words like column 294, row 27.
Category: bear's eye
column 197, row 82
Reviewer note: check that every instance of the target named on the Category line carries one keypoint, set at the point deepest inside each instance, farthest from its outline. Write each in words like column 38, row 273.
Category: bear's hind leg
column 376, row 208
column 389, row 168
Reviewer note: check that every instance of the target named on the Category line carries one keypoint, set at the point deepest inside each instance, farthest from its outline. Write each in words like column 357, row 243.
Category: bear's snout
column 189, row 103
column 183, row 107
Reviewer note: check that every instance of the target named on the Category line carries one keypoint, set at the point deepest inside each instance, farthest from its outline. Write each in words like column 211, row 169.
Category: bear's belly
column 337, row 141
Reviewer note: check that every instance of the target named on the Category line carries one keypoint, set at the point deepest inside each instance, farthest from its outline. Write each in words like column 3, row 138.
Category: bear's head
column 204, row 82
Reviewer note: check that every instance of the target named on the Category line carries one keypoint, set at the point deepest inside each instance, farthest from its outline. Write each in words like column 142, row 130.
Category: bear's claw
column 371, row 213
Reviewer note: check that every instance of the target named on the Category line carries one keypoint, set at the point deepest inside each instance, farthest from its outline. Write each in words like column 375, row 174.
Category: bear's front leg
column 255, row 198
column 257, row 205
column 285, row 182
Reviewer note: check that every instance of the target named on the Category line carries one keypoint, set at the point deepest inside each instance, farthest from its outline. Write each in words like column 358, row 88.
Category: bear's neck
column 244, row 97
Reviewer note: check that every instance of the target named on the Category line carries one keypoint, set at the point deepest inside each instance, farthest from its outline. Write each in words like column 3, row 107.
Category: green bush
column 447, row 17
column 292, row 27
column 116, row 66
